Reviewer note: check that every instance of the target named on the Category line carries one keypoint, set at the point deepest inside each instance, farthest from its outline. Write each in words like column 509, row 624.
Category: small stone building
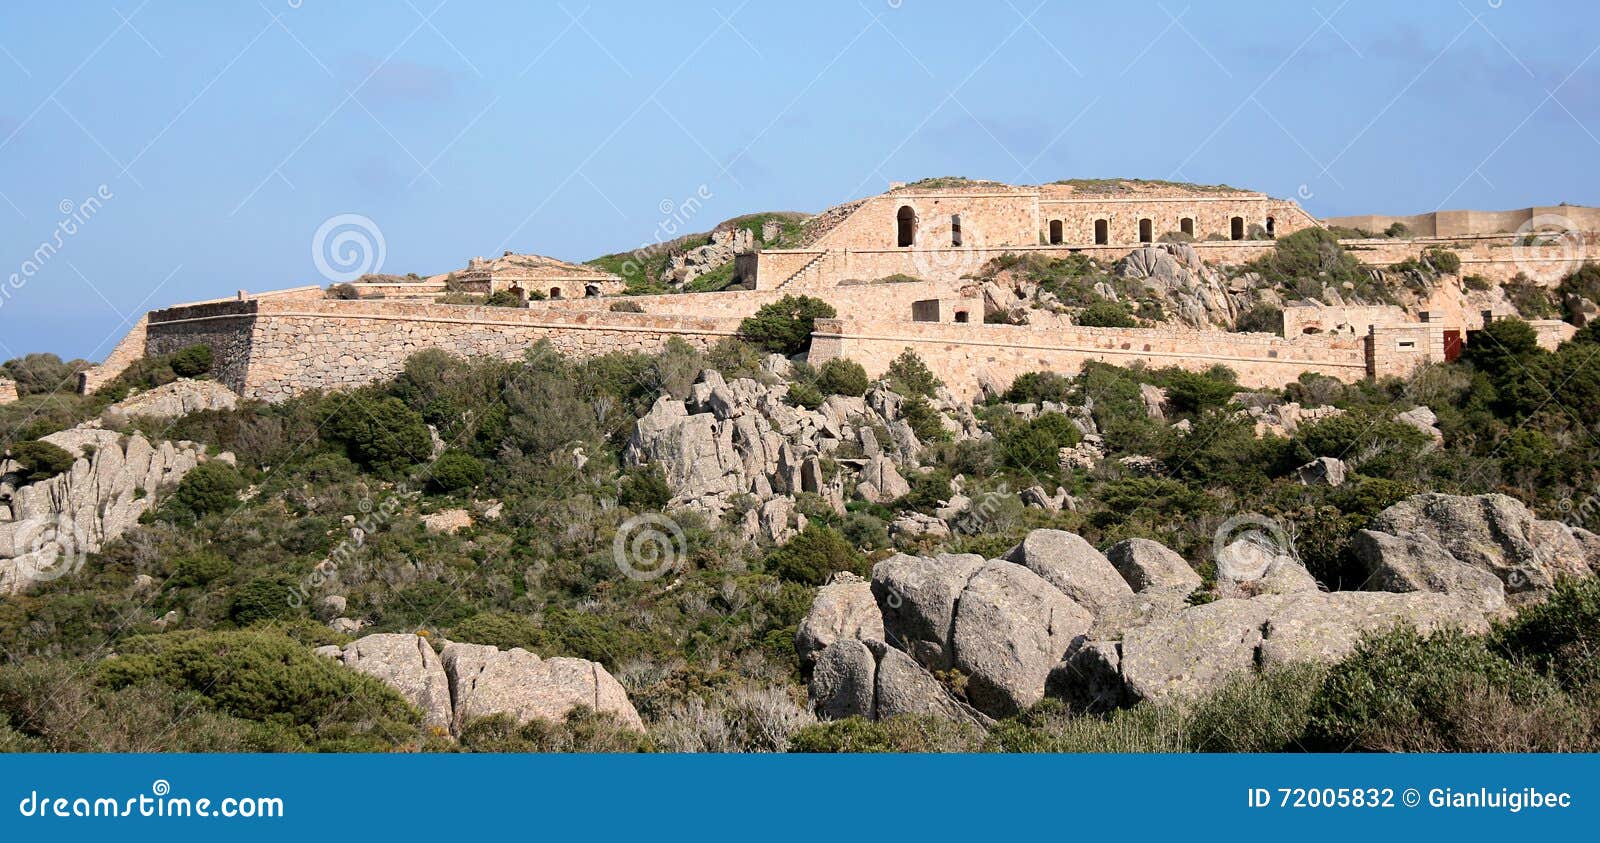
column 535, row 276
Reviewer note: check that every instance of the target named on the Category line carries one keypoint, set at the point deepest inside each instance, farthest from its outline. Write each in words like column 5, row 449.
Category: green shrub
column 1050, row 727
column 903, row 733
column 1560, row 636
column 192, row 362
column 842, row 377
column 1107, row 314
column 208, row 488
column 1035, row 444
column 455, row 470
column 41, row 460
column 645, row 489
column 925, row 421
column 269, row 678
column 377, row 431
column 261, row 599
column 1477, row 283
column 815, row 554
column 1039, row 387
column 1268, row 712
column 1402, row 691
column 1262, row 318
column 865, row 531
column 1442, row 260
column 802, row 394
column 909, row 376
column 581, row 730
column 785, row 326
column 198, row 569
column 42, row 374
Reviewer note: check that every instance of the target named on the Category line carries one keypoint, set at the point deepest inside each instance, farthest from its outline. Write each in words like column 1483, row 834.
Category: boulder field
column 970, row 638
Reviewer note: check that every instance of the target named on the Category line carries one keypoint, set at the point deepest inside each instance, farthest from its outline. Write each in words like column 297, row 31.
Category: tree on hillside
column 785, row 325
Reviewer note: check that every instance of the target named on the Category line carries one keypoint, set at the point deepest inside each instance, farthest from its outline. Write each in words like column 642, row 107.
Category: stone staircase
column 810, row 270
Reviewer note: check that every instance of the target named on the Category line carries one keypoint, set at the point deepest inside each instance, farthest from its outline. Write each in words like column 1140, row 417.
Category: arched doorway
column 1102, row 232
column 1186, row 225
column 906, row 223
column 1055, row 232
column 1236, row 228
column 1272, row 227
column 1146, row 230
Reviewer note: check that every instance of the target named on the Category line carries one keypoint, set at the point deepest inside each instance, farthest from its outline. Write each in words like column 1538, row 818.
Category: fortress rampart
column 274, row 349
column 968, row 356
column 897, row 268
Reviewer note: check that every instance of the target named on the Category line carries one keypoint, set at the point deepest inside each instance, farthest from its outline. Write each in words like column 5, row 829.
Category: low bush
column 455, row 470
column 815, row 554
column 785, row 326
column 192, row 362
column 209, row 487
column 41, row 460
column 842, row 377
column 904, row 733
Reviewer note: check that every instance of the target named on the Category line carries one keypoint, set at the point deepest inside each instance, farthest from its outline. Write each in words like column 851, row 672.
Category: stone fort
column 898, row 269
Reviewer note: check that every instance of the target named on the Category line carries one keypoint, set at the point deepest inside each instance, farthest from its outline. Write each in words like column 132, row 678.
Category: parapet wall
column 274, row 349
column 850, row 300
column 967, row 356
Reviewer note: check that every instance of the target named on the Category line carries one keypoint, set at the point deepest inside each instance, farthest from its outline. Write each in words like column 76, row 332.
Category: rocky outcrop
column 690, row 264
column 46, row 527
column 1492, row 533
column 1322, row 471
column 407, row 664
column 1073, row 566
column 485, row 680
column 1055, row 616
column 1424, row 420
column 728, row 439
column 1147, row 565
column 873, row 680
column 467, row 681
column 170, row 401
column 843, row 609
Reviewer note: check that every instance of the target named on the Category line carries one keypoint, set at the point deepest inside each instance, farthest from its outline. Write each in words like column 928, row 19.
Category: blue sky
column 226, row 133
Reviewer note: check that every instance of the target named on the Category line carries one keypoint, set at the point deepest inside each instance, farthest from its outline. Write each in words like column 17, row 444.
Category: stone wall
column 967, row 356
column 851, row 300
column 8, row 390
column 271, row 350
column 1467, row 223
column 129, row 351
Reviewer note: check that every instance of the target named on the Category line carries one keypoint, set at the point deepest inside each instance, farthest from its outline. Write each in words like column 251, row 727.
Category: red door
column 1452, row 345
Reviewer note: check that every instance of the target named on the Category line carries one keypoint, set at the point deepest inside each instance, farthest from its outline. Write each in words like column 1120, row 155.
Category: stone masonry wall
column 276, row 349
column 8, row 390
column 966, row 356
column 851, row 300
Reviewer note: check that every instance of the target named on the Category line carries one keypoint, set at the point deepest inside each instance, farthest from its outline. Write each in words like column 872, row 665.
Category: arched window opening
column 1102, row 232
column 1236, row 228
column 1272, row 227
column 955, row 229
column 1055, row 232
column 906, row 222
column 1186, row 225
column 1146, row 228
column 555, row 292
